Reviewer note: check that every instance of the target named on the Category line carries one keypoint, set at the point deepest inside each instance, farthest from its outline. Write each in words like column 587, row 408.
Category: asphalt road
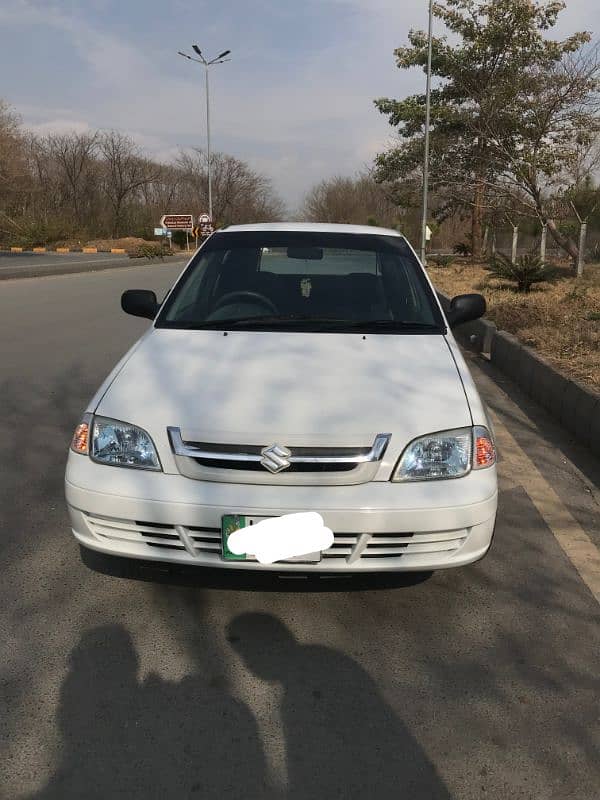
column 476, row 683
column 32, row 265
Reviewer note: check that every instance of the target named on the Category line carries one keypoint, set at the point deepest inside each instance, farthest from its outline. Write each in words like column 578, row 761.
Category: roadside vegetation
column 75, row 188
column 560, row 319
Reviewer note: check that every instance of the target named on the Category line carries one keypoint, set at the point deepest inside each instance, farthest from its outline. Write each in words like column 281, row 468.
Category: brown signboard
column 177, row 222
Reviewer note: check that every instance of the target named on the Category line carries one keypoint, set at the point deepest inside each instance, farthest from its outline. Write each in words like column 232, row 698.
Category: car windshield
column 307, row 281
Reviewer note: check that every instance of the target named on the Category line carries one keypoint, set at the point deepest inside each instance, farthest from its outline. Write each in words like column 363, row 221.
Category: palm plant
column 525, row 271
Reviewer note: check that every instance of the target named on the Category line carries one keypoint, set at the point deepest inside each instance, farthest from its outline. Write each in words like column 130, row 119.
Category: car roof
column 309, row 227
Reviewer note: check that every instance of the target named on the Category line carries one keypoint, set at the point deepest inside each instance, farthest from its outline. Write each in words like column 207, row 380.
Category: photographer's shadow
column 341, row 738
column 123, row 737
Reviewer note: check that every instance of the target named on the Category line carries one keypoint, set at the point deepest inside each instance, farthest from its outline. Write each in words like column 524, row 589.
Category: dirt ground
column 560, row 319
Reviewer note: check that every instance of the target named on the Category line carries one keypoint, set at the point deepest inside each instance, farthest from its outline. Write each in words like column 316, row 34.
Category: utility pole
column 220, row 59
column 426, row 153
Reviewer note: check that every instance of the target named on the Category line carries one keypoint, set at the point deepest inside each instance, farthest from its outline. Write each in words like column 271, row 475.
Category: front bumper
column 378, row 526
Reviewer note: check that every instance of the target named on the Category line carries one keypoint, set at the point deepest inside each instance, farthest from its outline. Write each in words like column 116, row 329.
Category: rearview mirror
column 140, row 303
column 306, row 253
column 465, row 308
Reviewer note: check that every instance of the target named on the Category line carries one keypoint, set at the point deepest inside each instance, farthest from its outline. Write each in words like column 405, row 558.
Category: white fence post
column 543, row 243
column 515, row 242
column 581, row 255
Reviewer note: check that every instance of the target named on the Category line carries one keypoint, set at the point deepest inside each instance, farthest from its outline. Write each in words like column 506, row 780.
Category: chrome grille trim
column 252, row 454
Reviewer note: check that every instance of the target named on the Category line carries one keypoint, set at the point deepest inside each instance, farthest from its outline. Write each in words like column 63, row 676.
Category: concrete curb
column 574, row 406
column 15, row 249
column 115, row 250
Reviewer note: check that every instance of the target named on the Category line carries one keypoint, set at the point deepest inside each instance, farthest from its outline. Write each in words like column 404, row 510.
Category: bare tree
column 125, row 172
column 358, row 200
column 80, row 185
column 239, row 193
column 14, row 171
column 74, row 155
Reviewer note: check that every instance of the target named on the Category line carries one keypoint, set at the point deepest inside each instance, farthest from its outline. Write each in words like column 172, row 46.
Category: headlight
column 448, row 454
column 122, row 445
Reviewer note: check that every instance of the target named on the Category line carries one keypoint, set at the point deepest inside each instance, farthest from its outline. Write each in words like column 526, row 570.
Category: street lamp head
column 225, row 53
column 197, row 49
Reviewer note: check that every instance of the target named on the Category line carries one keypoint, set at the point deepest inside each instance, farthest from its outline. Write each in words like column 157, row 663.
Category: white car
column 292, row 368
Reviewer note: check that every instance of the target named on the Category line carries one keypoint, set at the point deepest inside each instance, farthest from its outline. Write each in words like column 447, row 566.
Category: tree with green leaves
column 496, row 54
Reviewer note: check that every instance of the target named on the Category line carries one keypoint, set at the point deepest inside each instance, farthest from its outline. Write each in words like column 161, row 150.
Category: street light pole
column 220, row 59
column 210, row 214
column 426, row 153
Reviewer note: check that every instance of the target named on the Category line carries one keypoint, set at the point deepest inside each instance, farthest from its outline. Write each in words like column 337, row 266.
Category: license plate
column 233, row 522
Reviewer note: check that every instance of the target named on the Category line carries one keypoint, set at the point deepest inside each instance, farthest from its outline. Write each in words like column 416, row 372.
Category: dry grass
column 129, row 243
column 126, row 242
column 560, row 319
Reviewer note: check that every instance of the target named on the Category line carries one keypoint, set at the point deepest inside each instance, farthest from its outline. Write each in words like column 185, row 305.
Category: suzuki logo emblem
column 275, row 458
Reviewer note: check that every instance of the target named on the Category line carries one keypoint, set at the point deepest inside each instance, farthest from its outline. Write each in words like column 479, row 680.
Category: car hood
column 303, row 389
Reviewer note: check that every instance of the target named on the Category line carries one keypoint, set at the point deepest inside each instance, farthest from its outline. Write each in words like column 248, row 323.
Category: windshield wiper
column 265, row 319
column 323, row 323
column 387, row 325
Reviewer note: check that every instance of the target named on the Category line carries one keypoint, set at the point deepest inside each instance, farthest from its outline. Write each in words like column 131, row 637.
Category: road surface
column 32, row 265
column 476, row 683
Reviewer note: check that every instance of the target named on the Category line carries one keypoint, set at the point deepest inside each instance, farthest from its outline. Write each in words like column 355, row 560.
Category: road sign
column 177, row 222
column 428, row 233
column 204, row 227
column 160, row 231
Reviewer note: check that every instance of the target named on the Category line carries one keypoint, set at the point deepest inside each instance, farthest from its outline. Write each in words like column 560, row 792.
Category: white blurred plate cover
column 282, row 538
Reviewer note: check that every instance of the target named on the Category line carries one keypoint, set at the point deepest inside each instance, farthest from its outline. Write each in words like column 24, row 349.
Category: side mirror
column 464, row 308
column 140, row 303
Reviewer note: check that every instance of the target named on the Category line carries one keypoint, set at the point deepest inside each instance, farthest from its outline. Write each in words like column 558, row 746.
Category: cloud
column 59, row 126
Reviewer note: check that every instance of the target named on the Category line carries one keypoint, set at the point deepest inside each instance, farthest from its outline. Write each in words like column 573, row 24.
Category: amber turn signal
column 485, row 452
column 81, row 438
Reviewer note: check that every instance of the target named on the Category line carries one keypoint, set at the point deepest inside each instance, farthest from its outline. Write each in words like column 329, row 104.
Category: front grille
column 205, row 542
column 397, row 545
column 254, row 452
column 256, row 466
column 290, row 464
column 150, row 533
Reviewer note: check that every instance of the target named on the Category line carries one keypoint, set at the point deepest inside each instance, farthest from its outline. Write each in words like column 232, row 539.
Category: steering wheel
column 231, row 296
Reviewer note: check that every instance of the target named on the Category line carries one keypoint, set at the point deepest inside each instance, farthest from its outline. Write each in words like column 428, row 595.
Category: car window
column 304, row 281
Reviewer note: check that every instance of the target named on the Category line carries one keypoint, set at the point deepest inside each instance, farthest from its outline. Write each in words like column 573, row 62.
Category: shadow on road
column 154, row 738
column 151, row 738
column 342, row 739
